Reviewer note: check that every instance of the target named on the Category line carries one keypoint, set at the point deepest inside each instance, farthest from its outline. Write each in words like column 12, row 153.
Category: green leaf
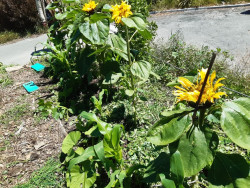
column 118, row 45
column 61, row 16
column 141, row 69
column 129, row 92
column 139, row 24
column 112, row 78
column 98, row 16
column 77, row 179
column 239, row 183
column 161, row 165
column 135, row 22
column 84, row 61
column 235, row 121
column 195, row 153
column 70, row 140
column 102, row 126
column 106, row 8
column 176, row 168
column 88, row 152
column 96, row 33
column 113, row 181
column 226, row 168
column 166, row 182
column 176, row 113
column 168, row 129
column 111, row 144
column 243, row 182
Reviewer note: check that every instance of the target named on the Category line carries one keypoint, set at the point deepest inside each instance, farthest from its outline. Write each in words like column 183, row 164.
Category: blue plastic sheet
column 30, row 87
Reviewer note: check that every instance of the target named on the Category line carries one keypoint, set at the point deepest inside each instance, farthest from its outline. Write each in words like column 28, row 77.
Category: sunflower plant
column 137, row 71
column 190, row 132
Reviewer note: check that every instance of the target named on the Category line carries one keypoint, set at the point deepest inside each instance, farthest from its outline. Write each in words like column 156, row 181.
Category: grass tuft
column 47, row 176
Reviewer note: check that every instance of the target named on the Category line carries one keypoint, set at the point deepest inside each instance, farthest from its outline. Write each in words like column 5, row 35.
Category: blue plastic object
column 30, row 87
column 38, row 67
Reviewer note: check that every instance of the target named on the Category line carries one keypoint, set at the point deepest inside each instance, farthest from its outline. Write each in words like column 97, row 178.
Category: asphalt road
column 19, row 53
column 228, row 29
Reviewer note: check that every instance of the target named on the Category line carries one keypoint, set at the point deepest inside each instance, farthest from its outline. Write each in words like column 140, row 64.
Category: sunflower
column 190, row 92
column 120, row 11
column 88, row 7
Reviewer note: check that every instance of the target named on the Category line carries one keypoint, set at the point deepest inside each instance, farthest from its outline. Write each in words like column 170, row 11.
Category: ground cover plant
column 130, row 131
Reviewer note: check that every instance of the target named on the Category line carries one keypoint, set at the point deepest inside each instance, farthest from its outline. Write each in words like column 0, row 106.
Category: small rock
column 32, row 156
column 1, row 166
column 20, row 128
column 39, row 145
column 15, row 68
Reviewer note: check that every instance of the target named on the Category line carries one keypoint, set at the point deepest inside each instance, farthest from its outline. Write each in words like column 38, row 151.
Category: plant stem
column 131, row 75
column 202, row 117
column 194, row 181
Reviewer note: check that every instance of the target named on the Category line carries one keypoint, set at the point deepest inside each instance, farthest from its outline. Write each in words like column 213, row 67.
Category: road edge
column 200, row 8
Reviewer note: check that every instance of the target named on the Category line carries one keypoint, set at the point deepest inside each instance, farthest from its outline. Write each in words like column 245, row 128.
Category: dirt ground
column 26, row 140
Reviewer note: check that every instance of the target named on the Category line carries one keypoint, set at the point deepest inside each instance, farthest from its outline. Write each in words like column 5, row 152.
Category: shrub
column 18, row 15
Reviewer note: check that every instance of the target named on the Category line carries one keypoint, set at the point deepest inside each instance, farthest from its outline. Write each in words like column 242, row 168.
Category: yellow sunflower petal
column 185, row 82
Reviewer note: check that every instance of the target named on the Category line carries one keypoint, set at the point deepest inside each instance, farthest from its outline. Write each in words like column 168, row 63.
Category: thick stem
column 202, row 117
column 194, row 180
column 131, row 75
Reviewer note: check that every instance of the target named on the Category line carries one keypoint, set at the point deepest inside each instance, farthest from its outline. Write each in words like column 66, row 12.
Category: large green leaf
column 139, row 24
column 88, row 152
column 238, row 183
column 98, row 16
column 96, row 33
column 118, row 45
column 176, row 168
column 235, row 121
column 77, row 179
column 195, row 152
column 102, row 126
column 141, row 69
column 84, row 61
column 166, row 182
column 112, row 78
column 135, row 22
column 111, row 143
column 70, row 140
column 161, row 165
column 168, row 129
column 226, row 168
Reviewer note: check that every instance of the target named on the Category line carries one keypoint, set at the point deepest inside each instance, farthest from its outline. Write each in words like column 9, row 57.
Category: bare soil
column 26, row 140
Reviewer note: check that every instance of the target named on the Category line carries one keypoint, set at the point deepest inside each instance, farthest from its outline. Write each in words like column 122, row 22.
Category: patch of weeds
column 5, row 80
column 176, row 58
column 50, row 175
column 14, row 114
column 7, row 36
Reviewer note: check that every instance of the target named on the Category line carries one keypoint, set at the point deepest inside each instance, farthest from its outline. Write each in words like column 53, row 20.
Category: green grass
column 50, row 175
column 7, row 36
column 5, row 80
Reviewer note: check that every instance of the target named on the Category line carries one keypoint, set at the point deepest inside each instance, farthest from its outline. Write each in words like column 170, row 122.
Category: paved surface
column 228, row 29
column 19, row 53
